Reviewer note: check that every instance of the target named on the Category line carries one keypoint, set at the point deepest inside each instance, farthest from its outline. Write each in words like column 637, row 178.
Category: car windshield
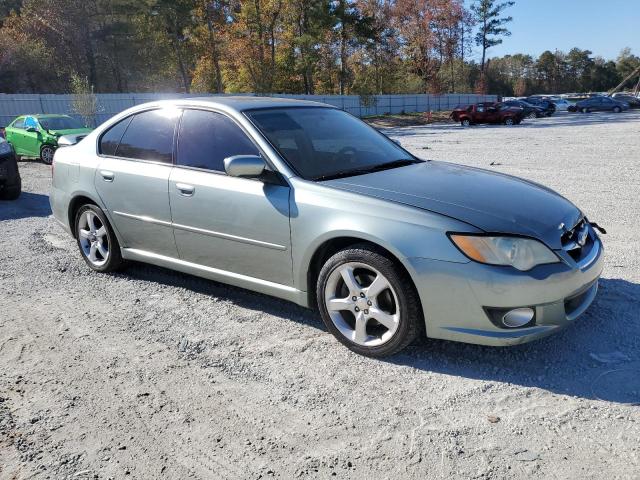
column 59, row 123
column 322, row 143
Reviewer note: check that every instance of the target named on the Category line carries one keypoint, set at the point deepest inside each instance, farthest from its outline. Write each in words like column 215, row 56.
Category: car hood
column 70, row 131
column 490, row 201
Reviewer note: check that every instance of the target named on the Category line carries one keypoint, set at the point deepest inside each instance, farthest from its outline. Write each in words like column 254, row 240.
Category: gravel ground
column 151, row 373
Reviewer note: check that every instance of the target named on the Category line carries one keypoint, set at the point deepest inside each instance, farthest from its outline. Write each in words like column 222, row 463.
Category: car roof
column 242, row 103
column 42, row 115
column 50, row 115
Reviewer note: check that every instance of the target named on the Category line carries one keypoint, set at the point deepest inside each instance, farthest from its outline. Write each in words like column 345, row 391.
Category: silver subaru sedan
column 305, row 202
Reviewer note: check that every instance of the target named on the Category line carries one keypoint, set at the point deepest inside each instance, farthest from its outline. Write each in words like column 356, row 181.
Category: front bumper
column 454, row 297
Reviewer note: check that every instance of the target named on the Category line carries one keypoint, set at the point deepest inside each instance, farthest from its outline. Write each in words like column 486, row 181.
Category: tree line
column 359, row 47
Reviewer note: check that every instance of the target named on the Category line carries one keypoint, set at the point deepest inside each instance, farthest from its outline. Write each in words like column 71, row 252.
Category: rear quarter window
column 111, row 138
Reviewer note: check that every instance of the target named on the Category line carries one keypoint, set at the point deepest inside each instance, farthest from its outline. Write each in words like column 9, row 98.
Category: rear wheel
column 465, row 122
column 46, row 154
column 617, row 109
column 509, row 121
column 97, row 242
column 367, row 302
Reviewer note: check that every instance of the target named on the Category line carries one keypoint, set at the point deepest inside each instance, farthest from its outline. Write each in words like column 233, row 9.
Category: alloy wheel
column 362, row 304
column 46, row 154
column 93, row 238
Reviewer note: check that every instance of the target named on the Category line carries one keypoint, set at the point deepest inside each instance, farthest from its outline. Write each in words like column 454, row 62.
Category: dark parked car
column 530, row 111
column 634, row 102
column 10, row 183
column 547, row 105
column 601, row 104
column 487, row 112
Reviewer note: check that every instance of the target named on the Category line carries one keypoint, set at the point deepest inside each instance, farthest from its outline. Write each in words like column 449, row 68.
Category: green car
column 37, row 135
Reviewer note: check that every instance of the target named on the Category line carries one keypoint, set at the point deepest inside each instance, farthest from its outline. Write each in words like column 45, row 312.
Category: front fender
column 321, row 214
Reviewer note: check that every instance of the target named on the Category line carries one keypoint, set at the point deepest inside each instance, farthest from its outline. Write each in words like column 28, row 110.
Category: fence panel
column 110, row 104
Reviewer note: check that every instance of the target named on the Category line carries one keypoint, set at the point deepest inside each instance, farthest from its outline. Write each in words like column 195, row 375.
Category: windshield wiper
column 374, row 168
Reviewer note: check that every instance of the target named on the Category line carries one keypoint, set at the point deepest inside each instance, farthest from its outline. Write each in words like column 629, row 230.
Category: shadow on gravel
column 27, row 205
column 597, row 358
column 239, row 296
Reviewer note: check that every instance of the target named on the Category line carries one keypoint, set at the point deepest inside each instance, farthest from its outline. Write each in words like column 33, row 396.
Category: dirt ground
column 149, row 373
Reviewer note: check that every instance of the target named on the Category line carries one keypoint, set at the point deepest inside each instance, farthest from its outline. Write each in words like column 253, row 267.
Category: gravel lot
column 151, row 373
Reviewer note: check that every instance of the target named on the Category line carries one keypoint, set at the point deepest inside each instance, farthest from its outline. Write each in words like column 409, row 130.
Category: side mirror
column 69, row 140
column 31, row 129
column 247, row 166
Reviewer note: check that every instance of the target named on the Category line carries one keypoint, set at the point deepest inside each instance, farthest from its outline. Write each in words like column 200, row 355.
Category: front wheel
column 97, row 242
column 367, row 302
column 509, row 121
column 617, row 109
column 465, row 122
column 46, row 154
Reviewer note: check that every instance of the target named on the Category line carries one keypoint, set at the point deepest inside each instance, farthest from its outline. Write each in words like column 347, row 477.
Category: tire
column 46, row 154
column 12, row 192
column 465, row 122
column 509, row 121
column 101, row 251
column 396, row 301
column 617, row 109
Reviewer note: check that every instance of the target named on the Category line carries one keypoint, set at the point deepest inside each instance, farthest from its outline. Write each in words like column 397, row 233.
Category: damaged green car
column 37, row 135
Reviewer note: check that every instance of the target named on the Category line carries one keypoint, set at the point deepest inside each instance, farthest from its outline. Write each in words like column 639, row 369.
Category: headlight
column 4, row 148
column 520, row 253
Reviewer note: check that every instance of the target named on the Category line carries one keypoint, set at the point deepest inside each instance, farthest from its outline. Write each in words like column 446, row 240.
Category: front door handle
column 185, row 190
column 107, row 176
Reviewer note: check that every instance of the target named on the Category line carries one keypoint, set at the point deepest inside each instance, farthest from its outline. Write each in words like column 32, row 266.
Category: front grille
column 578, row 241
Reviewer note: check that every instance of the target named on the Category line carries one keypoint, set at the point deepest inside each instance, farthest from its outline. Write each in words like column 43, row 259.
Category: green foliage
column 491, row 25
column 362, row 47
column 85, row 102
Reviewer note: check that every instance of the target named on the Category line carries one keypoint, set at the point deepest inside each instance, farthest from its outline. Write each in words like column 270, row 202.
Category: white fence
column 109, row 104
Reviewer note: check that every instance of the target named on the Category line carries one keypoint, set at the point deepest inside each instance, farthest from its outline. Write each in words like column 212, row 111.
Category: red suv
column 487, row 112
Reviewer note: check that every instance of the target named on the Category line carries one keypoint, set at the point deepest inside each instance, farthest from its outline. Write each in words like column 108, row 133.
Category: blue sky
column 604, row 27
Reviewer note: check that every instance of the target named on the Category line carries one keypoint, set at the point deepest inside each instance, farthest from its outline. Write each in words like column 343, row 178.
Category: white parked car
column 561, row 105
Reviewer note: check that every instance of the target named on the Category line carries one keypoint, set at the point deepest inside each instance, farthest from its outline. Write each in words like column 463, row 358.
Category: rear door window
column 206, row 138
column 149, row 136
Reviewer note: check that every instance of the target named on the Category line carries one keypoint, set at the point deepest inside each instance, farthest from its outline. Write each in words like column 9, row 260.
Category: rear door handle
column 107, row 176
column 185, row 190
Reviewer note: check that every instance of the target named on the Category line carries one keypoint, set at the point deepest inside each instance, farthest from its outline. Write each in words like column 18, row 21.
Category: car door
column 132, row 179
column 31, row 137
column 237, row 225
column 492, row 114
column 480, row 115
column 599, row 105
column 607, row 104
column 14, row 134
